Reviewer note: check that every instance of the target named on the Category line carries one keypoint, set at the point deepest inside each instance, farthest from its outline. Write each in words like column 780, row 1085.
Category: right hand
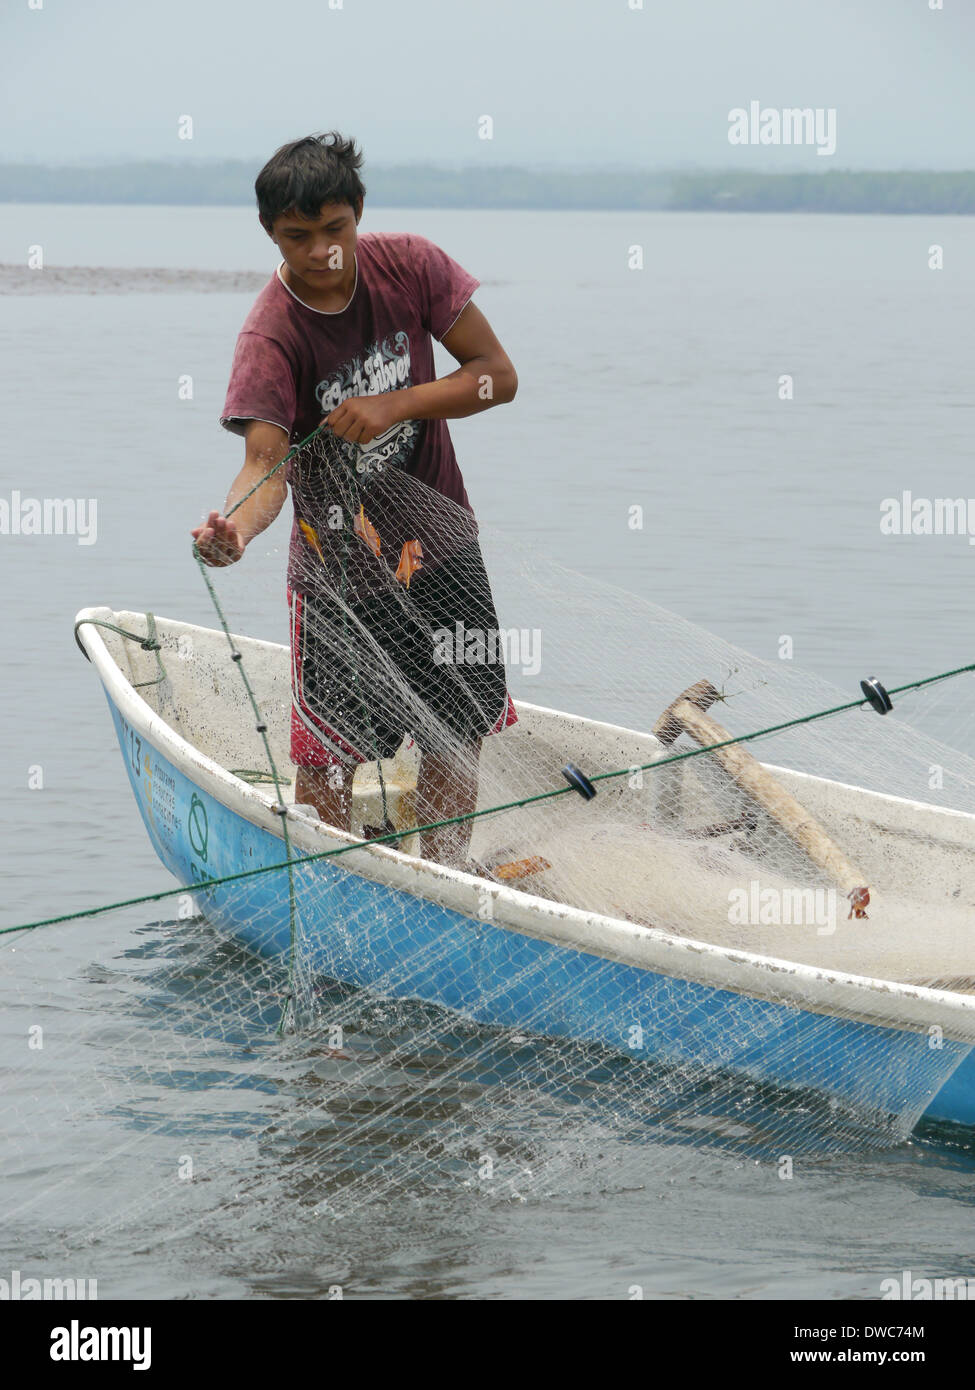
column 218, row 541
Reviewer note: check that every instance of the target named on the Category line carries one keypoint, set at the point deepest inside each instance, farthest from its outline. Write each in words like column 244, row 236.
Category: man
column 344, row 330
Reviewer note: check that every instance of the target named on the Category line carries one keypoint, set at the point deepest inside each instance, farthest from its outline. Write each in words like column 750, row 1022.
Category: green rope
column 280, row 809
column 287, row 459
column 777, row 728
column 469, row 815
column 148, row 643
column 261, row 724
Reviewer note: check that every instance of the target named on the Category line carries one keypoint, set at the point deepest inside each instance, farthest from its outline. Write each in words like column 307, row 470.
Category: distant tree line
column 231, row 182
column 836, row 191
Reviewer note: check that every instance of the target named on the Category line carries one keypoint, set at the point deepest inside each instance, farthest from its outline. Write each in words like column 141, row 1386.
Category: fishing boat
column 848, row 1013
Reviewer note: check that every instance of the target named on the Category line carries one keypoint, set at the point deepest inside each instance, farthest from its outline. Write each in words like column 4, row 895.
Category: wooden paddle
column 687, row 714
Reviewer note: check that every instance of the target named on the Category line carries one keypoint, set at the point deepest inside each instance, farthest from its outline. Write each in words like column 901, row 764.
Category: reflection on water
column 181, row 1122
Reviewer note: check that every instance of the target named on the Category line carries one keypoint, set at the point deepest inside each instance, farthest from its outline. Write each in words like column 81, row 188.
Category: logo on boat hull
column 197, row 827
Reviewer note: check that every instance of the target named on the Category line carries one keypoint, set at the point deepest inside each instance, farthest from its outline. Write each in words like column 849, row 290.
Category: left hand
column 361, row 418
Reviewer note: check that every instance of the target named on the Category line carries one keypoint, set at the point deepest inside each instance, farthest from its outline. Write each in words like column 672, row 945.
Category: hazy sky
column 565, row 81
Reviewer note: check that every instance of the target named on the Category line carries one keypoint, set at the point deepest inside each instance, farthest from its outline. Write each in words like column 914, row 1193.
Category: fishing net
column 547, row 934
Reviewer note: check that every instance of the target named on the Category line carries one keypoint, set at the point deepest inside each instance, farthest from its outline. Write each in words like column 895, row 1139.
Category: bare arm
column 485, row 377
column 222, row 541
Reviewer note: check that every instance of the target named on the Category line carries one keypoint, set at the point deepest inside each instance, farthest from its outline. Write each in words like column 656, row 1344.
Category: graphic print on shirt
column 385, row 367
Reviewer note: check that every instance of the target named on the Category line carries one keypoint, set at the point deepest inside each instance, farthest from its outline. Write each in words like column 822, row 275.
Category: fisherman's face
column 319, row 251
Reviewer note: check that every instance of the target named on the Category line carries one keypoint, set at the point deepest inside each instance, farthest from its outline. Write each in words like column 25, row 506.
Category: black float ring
column 579, row 781
column 877, row 695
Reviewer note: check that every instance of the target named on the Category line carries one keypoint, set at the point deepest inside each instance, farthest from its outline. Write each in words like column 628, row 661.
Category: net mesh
column 765, row 947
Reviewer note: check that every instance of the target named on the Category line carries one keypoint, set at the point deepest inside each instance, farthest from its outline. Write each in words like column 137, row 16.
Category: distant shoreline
column 108, row 279
column 229, row 183
column 82, row 279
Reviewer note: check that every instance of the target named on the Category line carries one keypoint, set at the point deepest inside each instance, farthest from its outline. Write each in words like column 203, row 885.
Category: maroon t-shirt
column 294, row 364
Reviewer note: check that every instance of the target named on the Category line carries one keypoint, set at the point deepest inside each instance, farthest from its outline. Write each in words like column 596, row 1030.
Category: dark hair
column 307, row 173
